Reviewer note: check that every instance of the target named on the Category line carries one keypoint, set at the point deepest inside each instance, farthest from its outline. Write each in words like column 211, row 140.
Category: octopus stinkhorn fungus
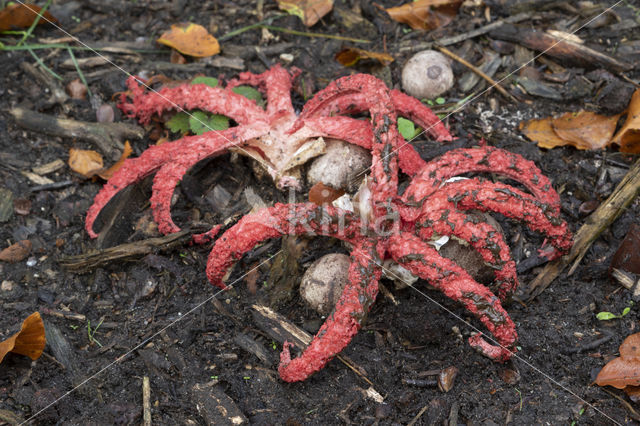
column 396, row 226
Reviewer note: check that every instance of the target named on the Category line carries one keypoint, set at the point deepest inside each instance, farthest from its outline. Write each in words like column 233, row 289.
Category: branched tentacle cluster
column 398, row 227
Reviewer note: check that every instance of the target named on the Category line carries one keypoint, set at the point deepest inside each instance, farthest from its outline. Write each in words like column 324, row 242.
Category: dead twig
column 561, row 48
column 280, row 329
column 465, row 36
column 106, row 136
column 599, row 220
column 146, row 401
column 87, row 261
column 479, row 72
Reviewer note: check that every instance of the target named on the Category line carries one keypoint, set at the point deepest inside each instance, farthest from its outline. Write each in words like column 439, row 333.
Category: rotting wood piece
column 106, row 136
column 597, row 222
column 559, row 48
column 87, row 261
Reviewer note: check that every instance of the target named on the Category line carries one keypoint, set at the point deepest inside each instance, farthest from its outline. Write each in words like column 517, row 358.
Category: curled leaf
column 625, row 370
column 29, row 341
column 106, row 174
column 352, row 55
column 541, row 132
column 426, row 14
column 85, row 162
column 629, row 135
column 190, row 39
column 309, row 11
column 22, row 15
column 583, row 130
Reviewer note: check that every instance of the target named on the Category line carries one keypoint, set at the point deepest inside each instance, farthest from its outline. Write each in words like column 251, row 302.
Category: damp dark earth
column 135, row 331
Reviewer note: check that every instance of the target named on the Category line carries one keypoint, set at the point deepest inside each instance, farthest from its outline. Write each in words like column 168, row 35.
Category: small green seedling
column 91, row 333
column 607, row 316
column 407, row 129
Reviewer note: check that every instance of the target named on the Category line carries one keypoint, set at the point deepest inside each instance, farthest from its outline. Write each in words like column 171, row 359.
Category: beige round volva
column 341, row 167
column 427, row 75
column 324, row 280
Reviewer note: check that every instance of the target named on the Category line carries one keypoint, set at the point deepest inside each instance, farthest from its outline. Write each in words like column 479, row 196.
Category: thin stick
column 465, row 36
column 599, row 220
column 146, row 401
column 478, row 71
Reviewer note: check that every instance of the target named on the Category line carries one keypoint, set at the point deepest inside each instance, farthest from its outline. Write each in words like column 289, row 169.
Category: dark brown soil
column 162, row 305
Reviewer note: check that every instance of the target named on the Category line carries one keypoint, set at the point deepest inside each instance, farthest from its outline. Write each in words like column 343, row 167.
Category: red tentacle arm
column 357, row 297
column 276, row 84
column 482, row 236
column 167, row 156
column 488, row 160
column 424, row 261
column 358, row 132
column 189, row 96
column 474, row 194
column 347, row 103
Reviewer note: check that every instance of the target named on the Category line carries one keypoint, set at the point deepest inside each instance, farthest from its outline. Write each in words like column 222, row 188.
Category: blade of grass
column 234, row 33
column 80, row 74
column 46, row 68
column 40, row 46
column 35, row 22
column 308, row 34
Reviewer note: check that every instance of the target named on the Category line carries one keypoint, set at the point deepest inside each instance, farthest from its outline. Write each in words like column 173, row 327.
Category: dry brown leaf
column 29, row 341
column 106, row 174
column 585, row 129
column 190, row 39
column 85, row 162
column 22, row 15
column 351, row 55
column 625, row 370
column 426, row 14
column 629, row 135
column 309, row 11
column 541, row 132
column 16, row 252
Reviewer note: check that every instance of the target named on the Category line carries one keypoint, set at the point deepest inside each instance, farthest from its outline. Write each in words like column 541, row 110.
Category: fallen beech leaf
column 22, row 15
column 85, row 162
column 352, row 55
column 106, row 174
column 29, row 341
column 16, row 252
column 426, row 14
column 629, row 135
column 76, row 89
column 190, row 39
column 541, row 132
column 625, row 370
column 309, row 11
column 585, row 130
